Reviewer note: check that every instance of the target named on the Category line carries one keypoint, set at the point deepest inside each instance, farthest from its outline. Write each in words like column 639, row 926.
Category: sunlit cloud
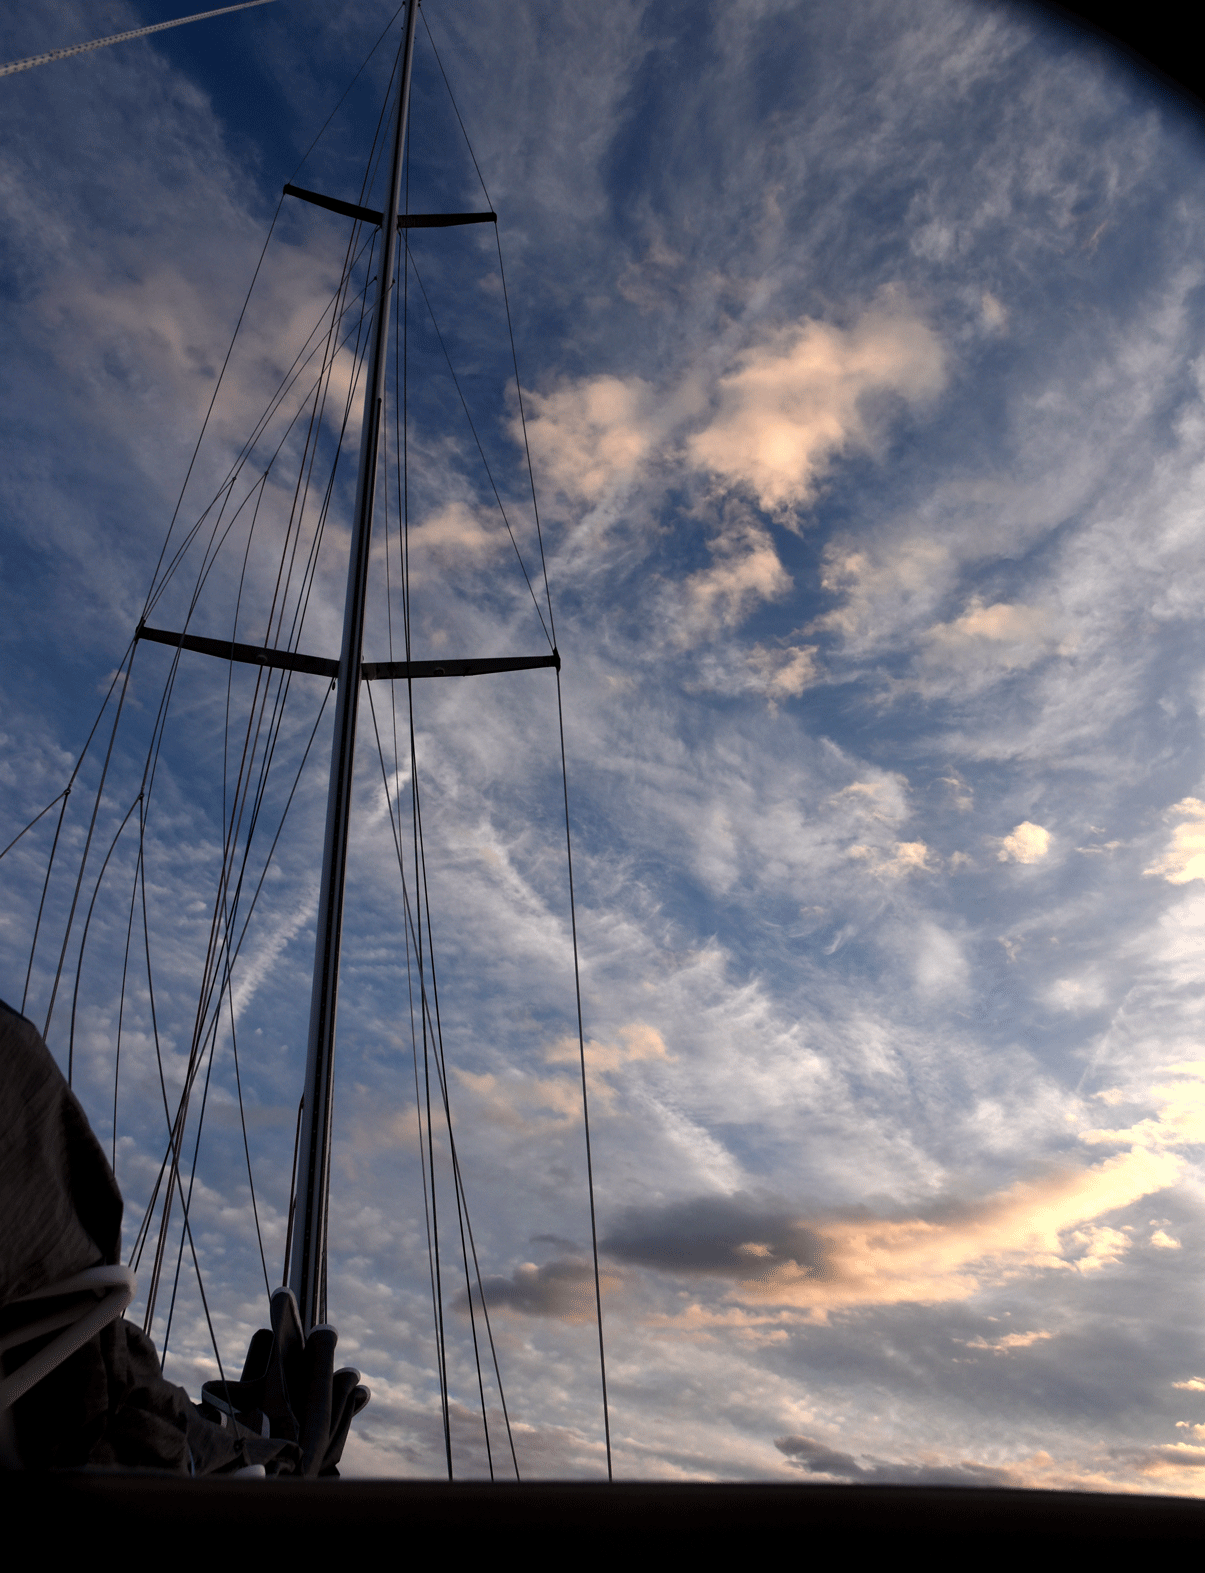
column 458, row 535
column 521, row 1099
column 1027, row 843
column 590, row 437
column 1009, row 1341
column 907, row 857
column 786, row 672
column 637, row 1041
column 1179, row 1121
column 825, row 1264
column 794, row 402
column 788, row 407
column 745, row 571
column 1184, row 860
column 1002, row 635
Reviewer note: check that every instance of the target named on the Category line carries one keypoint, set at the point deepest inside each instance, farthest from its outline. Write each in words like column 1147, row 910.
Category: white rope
column 117, row 38
column 116, row 1284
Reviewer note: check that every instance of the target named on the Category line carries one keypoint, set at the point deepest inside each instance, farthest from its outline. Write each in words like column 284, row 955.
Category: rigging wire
column 509, row 325
column 54, row 845
column 121, row 1007
column 241, row 813
column 199, row 1034
column 284, row 1273
column 87, row 843
column 79, row 963
column 243, row 932
column 581, row 1043
column 247, row 298
column 222, row 905
column 465, row 1222
column 64, row 795
column 262, row 746
column 34, row 820
column 564, row 776
column 347, row 90
column 481, row 451
column 273, row 728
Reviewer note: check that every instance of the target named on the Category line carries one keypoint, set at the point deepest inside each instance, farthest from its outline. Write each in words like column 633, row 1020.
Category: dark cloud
column 1182, row 1455
column 564, row 1288
column 819, row 1459
column 737, row 1236
column 570, row 1246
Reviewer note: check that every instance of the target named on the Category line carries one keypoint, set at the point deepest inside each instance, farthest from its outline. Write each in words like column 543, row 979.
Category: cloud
column 939, row 964
column 995, row 314
column 884, row 587
column 265, row 954
column 824, row 1263
column 638, row 1041
column 458, row 534
column 776, row 672
column 776, row 1258
column 711, row 1235
column 518, row 1098
column 563, row 1288
column 1179, row 1121
column 797, row 400
column 1001, row 635
column 745, row 571
column 784, row 673
column 1184, row 860
column 589, row 437
column 1009, row 1341
column 786, row 409
column 907, row 857
column 1169, row 1458
column 818, row 1458
column 1027, row 843
column 882, row 798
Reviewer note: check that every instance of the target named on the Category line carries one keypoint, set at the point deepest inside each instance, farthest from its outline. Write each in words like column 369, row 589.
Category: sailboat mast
column 307, row 1256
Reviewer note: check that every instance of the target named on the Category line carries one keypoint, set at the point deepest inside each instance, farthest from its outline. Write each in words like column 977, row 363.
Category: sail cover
column 108, row 1405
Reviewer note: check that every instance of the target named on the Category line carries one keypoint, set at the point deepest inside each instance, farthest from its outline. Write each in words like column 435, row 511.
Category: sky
column 863, row 358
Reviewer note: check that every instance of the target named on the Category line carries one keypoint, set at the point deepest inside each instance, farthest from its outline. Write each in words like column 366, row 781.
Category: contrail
column 117, row 38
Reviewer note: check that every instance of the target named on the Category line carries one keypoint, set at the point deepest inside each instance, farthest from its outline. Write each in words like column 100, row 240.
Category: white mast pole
column 307, row 1256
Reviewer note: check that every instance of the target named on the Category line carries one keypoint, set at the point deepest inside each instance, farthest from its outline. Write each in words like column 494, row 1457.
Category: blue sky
column 862, row 351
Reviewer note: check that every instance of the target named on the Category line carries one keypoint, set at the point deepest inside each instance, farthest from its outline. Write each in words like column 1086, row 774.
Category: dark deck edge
column 288, row 1510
